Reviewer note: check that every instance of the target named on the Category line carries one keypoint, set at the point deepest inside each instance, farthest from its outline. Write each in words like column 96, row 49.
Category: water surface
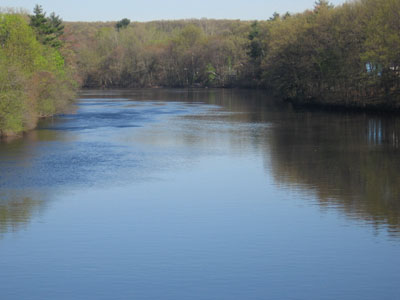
column 203, row 194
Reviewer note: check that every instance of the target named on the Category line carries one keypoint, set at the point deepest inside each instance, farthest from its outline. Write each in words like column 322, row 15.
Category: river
column 201, row 194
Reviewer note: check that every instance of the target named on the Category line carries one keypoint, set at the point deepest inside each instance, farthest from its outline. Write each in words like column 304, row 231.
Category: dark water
column 210, row 194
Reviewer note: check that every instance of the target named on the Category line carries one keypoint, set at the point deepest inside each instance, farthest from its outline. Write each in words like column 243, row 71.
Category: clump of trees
column 122, row 24
column 344, row 55
column 34, row 80
column 162, row 53
column 348, row 55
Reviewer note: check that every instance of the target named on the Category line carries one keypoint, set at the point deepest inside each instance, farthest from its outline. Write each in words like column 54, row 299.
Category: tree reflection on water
column 349, row 161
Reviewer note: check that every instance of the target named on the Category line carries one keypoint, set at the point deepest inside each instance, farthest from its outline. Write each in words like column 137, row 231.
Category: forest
column 348, row 55
column 345, row 55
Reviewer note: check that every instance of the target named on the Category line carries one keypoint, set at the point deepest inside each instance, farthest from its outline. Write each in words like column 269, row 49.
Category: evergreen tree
column 48, row 29
column 255, row 47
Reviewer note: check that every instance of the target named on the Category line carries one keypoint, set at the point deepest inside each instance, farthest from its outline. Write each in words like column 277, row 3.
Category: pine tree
column 48, row 29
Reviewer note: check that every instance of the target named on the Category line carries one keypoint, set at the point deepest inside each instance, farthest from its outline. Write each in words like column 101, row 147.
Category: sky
column 142, row 10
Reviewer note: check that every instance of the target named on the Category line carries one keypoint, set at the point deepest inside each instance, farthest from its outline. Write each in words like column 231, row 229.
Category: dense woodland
column 346, row 55
column 34, row 80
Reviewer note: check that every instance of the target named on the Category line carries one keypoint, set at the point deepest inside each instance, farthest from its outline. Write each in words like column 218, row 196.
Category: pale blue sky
column 102, row 10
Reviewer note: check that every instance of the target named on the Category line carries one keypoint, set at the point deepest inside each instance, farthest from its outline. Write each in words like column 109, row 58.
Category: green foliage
column 382, row 42
column 122, row 24
column 255, row 48
column 322, row 5
column 12, row 101
column 48, row 29
column 211, row 74
column 165, row 53
column 11, row 112
column 19, row 44
column 323, row 55
column 275, row 16
column 34, row 81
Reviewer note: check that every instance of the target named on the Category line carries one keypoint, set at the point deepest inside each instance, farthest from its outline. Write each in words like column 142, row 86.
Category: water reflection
column 348, row 161
column 16, row 210
column 383, row 131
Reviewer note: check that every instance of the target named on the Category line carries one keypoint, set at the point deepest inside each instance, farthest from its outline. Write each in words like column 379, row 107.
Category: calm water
column 209, row 194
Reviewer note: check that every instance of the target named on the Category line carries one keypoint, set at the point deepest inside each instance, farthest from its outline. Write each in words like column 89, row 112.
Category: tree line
column 345, row 55
column 35, row 82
